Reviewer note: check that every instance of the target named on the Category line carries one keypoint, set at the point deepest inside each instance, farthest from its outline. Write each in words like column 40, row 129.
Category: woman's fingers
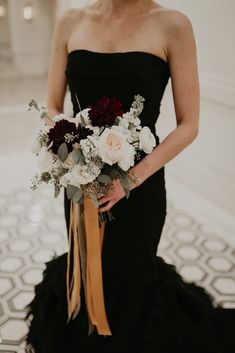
column 104, row 200
column 114, row 196
column 107, row 207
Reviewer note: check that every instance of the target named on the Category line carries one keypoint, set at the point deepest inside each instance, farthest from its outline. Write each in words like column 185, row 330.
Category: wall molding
column 218, row 89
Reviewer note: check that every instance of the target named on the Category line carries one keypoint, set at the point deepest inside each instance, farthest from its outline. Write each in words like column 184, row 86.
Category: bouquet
column 86, row 153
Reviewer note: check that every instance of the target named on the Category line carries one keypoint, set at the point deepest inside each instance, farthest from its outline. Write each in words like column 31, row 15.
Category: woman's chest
column 142, row 35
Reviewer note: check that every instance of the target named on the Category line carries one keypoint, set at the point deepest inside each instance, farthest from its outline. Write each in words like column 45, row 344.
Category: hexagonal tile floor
column 33, row 230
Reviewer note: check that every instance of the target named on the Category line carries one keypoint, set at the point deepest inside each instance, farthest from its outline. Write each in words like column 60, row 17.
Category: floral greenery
column 85, row 154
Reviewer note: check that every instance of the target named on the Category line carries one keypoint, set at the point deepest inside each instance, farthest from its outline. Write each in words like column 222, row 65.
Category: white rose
column 45, row 160
column 84, row 174
column 147, row 140
column 129, row 158
column 114, row 148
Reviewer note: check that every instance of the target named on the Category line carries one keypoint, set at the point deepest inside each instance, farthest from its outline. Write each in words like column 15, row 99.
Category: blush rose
column 114, row 148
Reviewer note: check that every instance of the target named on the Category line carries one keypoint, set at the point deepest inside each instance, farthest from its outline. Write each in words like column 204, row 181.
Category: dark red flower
column 105, row 111
column 56, row 134
column 63, row 127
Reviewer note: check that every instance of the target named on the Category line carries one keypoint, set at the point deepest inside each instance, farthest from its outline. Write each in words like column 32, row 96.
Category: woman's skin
column 152, row 28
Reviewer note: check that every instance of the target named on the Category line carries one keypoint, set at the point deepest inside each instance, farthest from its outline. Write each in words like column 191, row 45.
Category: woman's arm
column 182, row 58
column 181, row 49
column 56, row 82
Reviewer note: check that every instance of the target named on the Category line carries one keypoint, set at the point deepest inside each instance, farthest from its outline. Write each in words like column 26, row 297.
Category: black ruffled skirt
column 150, row 308
column 164, row 315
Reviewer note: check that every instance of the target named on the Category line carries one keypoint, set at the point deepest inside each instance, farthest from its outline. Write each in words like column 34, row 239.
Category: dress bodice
column 92, row 75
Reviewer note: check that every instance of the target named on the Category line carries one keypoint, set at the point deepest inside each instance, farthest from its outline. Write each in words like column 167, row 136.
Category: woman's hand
column 117, row 193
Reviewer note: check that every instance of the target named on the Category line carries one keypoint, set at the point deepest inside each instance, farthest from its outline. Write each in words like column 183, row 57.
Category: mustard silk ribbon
column 87, row 237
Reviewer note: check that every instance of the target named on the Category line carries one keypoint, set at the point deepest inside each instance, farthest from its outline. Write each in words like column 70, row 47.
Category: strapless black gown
column 150, row 308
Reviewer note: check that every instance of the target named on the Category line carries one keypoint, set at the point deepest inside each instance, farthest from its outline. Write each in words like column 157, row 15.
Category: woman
column 122, row 48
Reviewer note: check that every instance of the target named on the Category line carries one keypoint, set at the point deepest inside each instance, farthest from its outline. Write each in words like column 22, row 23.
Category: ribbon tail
column 73, row 288
column 95, row 295
column 83, row 252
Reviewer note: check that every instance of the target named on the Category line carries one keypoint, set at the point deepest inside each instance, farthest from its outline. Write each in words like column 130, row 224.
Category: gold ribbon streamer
column 94, row 233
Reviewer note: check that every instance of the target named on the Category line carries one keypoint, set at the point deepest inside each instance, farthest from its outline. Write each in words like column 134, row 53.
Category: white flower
column 76, row 120
column 147, row 140
column 63, row 180
column 119, row 128
column 124, row 122
column 59, row 117
column 84, row 174
column 85, row 114
column 129, row 158
column 114, row 148
column 89, row 147
column 95, row 129
column 35, row 147
column 45, row 160
column 137, row 122
column 68, row 178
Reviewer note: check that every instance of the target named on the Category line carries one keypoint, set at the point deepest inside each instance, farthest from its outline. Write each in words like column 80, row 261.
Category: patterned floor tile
column 12, row 331
column 32, row 231
column 193, row 273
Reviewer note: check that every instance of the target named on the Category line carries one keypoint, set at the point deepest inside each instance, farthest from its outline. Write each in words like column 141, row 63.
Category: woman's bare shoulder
column 174, row 19
column 67, row 21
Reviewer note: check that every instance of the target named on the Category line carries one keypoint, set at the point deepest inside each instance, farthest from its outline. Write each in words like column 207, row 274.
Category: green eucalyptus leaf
column 127, row 191
column 82, row 160
column 78, row 195
column 124, row 182
column 125, row 185
column 113, row 173
column 77, row 155
column 63, row 152
column 57, row 191
column 105, row 179
column 71, row 190
column 44, row 115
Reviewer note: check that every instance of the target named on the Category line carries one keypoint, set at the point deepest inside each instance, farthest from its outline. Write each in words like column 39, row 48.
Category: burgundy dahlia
column 63, row 127
column 56, row 134
column 105, row 111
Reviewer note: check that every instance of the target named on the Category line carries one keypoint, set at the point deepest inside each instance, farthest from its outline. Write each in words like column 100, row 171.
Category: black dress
column 150, row 308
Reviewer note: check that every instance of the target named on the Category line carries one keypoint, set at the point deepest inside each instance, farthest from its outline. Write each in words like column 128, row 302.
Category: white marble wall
column 213, row 22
